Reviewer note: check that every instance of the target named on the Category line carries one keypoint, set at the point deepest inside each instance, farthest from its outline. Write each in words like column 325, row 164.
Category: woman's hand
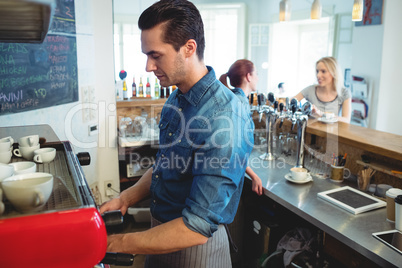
column 315, row 111
column 256, row 185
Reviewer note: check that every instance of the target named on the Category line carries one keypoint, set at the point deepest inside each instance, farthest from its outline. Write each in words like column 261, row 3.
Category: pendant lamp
column 357, row 13
column 284, row 10
column 316, row 10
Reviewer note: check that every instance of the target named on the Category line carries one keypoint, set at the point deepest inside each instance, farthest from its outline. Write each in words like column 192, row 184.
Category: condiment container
column 390, row 197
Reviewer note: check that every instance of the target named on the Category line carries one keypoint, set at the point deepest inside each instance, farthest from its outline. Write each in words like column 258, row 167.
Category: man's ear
column 190, row 47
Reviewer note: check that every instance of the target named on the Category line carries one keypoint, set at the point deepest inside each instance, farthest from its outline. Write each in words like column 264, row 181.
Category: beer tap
column 301, row 128
column 287, row 104
column 282, row 116
column 252, row 106
column 302, row 118
column 293, row 107
column 270, row 116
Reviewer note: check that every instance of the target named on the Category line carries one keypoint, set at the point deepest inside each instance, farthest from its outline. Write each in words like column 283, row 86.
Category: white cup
column 44, row 155
column 26, row 152
column 299, row 174
column 28, row 192
column 5, row 157
column 29, row 141
column 23, row 167
column 6, row 143
column 5, row 172
column 328, row 115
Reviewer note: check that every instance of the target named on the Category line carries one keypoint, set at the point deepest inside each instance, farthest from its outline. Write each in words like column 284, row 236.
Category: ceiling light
column 357, row 13
column 284, row 10
column 316, row 9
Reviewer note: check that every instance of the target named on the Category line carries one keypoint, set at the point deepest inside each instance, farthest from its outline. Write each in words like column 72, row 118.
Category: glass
column 276, row 145
column 283, row 141
column 292, row 146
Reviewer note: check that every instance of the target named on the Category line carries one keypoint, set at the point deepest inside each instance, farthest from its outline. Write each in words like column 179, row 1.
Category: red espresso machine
column 69, row 231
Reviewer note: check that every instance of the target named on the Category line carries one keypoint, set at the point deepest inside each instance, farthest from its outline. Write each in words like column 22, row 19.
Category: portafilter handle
column 112, row 218
column 120, row 259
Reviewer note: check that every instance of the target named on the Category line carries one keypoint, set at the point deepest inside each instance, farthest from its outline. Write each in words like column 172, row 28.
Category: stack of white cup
column 26, row 147
column 6, row 149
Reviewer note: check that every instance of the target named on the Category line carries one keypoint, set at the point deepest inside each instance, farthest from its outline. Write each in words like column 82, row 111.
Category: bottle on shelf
column 123, row 75
column 168, row 90
column 125, row 93
column 162, row 94
column 141, row 89
column 148, row 88
column 156, row 88
column 173, row 88
column 134, row 88
column 117, row 88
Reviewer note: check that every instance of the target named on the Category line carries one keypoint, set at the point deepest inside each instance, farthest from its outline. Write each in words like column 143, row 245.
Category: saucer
column 289, row 178
column 328, row 121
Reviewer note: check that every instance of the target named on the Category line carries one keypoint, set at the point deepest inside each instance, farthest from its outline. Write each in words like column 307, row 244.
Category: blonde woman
column 328, row 95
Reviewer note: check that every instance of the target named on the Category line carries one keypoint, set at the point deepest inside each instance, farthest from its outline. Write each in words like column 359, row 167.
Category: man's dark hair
column 280, row 84
column 182, row 22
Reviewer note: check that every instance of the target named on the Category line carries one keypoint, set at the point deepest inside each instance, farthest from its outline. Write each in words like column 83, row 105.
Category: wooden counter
column 378, row 142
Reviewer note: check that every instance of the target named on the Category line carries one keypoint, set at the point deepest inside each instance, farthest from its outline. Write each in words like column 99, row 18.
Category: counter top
column 352, row 230
column 379, row 142
column 17, row 132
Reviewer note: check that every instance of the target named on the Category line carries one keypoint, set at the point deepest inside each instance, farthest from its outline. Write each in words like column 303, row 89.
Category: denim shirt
column 243, row 98
column 206, row 136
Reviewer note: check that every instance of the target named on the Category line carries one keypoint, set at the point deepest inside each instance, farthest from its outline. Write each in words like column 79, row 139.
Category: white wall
column 283, row 64
column 388, row 117
column 366, row 62
column 95, row 71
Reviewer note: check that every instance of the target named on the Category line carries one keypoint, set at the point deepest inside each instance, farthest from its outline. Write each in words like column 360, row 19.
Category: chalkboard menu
column 34, row 76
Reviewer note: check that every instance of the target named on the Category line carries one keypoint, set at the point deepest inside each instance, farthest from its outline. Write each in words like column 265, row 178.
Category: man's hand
column 114, row 204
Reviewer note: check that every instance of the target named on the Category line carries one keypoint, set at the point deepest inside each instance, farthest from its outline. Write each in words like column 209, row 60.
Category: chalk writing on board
column 35, row 76
column 64, row 17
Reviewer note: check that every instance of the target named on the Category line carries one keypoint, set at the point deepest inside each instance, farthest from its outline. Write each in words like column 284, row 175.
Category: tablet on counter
column 392, row 238
column 351, row 199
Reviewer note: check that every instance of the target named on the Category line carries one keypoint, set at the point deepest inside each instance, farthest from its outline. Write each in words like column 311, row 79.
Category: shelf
column 140, row 102
column 137, row 142
column 381, row 167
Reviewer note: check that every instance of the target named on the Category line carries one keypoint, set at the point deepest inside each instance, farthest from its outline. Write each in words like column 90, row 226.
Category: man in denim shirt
column 206, row 136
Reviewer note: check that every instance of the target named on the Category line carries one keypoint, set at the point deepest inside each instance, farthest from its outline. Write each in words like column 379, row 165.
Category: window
column 224, row 26
column 296, row 46
column 127, row 51
column 224, row 35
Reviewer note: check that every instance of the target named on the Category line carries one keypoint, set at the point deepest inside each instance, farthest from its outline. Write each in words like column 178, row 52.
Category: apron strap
column 233, row 246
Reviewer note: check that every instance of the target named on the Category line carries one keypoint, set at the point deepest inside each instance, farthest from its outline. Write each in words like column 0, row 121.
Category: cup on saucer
column 299, row 173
